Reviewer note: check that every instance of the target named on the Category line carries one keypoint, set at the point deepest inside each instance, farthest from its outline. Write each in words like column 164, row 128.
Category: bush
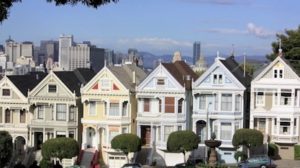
column 6, row 148
column 182, row 140
column 297, row 152
column 240, row 154
column 247, row 137
column 45, row 163
column 272, row 150
column 60, row 148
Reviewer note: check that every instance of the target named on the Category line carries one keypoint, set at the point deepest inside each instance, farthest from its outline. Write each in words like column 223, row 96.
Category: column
column 120, row 107
column 267, row 126
column 67, row 112
column 292, row 126
column 83, row 146
column 233, row 102
column 44, row 134
column 97, row 138
column 176, row 105
column 54, row 111
column 293, row 98
column 219, row 101
column 297, row 98
column 278, row 126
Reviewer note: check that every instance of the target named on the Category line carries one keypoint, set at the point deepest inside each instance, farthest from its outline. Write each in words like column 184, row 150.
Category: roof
column 26, row 82
column 179, row 70
column 236, row 70
column 294, row 64
column 75, row 79
column 124, row 74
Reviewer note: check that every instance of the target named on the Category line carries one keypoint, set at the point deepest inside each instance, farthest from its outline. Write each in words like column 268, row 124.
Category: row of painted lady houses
column 93, row 108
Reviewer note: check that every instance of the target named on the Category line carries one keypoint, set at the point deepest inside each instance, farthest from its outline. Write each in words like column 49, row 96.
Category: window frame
column 226, row 102
column 61, row 112
column 95, row 108
column 3, row 91
column 51, row 90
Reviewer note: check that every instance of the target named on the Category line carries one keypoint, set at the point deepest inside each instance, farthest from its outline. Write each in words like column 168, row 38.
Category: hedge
column 297, row 152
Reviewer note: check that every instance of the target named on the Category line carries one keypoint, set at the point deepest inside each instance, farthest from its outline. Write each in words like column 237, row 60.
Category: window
column 179, row 128
column 180, row 105
column 160, row 82
column 52, row 88
column 60, row 134
column 5, row 92
column 61, row 111
column 216, row 129
column 226, row 131
column 237, row 102
column 169, row 104
column 146, row 105
column 124, row 108
column 92, row 110
column 22, row 116
column 168, row 130
column 275, row 99
column 278, row 73
column 114, row 109
column 7, row 116
column 286, row 97
column 202, row 101
column 72, row 113
column 262, row 124
column 237, row 126
column 285, row 124
column 260, row 98
column 159, row 105
column 105, row 84
column 226, row 102
column 71, row 134
column 40, row 112
column 217, row 79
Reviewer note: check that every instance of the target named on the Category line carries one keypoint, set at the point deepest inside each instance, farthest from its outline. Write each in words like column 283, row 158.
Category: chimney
column 133, row 77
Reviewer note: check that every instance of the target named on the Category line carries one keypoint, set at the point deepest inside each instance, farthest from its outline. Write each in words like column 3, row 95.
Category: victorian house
column 275, row 104
column 164, row 103
column 56, row 106
column 110, row 107
column 220, row 98
column 15, row 114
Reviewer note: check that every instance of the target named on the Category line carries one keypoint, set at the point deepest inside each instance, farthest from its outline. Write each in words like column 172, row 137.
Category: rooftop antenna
column 232, row 51
column 280, row 49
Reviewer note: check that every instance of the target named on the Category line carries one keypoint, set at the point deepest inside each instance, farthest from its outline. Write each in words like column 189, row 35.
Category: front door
column 38, row 140
column 146, row 135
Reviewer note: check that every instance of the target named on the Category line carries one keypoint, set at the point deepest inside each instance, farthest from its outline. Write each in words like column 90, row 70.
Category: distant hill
column 150, row 59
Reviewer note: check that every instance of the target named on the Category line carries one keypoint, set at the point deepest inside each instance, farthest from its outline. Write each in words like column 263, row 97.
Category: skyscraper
column 196, row 51
column 64, row 43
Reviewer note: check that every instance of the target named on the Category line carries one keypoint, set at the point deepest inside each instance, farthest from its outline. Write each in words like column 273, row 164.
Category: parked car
column 132, row 165
column 261, row 161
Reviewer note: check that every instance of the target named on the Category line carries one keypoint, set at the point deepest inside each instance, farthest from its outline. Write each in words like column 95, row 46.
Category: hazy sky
column 158, row 26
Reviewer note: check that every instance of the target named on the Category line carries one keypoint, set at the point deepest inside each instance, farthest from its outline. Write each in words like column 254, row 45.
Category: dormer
column 278, row 71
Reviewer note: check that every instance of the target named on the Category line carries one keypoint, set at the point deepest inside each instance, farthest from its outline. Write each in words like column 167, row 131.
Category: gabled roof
column 124, row 74
column 236, row 70
column 74, row 79
column 27, row 82
column 179, row 70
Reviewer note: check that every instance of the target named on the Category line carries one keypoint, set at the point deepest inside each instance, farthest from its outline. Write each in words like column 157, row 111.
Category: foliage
column 60, row 148
column 297, row 152
column 249, row 68
column 126, row 143
column 45, row 163
column 5, row 5
column 290, row 40
column 182, row 140
column 247, row 137
column 272, row 150
column 241, row 154
column 6, row 148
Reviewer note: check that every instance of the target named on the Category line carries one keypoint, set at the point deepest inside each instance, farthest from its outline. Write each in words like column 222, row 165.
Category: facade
column 220, row 98
column 196, row 51
column 12, row 49
column 110, row 109
column 275, row 105
column 15, row 113
column 56, row 107
column 164, row 103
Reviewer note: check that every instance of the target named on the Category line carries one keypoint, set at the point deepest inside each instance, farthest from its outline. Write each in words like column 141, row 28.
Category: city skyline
column 159, row 27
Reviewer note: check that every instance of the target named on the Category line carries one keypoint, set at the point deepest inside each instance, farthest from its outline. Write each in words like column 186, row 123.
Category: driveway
column 287, row 163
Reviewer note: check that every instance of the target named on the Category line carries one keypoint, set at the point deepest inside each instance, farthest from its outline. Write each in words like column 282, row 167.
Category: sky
column 158, row 26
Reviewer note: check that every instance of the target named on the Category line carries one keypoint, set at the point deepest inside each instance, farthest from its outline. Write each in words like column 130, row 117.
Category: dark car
column 261, row 161
column 132, row 165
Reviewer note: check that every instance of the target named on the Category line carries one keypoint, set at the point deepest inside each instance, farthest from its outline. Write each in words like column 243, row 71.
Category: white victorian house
column 275, row 104
column 220, row 104
column 56, row 106
column 164, row 103
column 15, row 114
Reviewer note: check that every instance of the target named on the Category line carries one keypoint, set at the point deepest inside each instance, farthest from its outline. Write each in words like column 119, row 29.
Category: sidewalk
column 287, row 163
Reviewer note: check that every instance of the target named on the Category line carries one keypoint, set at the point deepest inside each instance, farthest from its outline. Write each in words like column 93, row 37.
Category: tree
column 182, row 141
column 126, row 143
column 248, row 138
column 290, row 44
column 60, row 148
column 6, row 148
column 5, row 5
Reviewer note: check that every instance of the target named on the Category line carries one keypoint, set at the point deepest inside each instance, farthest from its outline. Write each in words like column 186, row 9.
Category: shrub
column 45, row 163
column 240, row 154
column 182, row 140
column 272, row 150
column 297, row 152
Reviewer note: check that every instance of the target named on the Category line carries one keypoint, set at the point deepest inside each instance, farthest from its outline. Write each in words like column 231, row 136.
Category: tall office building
column 63, row 58
column 27, row 49
column 196, row 51
column 48, row 48
column 12, row 49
